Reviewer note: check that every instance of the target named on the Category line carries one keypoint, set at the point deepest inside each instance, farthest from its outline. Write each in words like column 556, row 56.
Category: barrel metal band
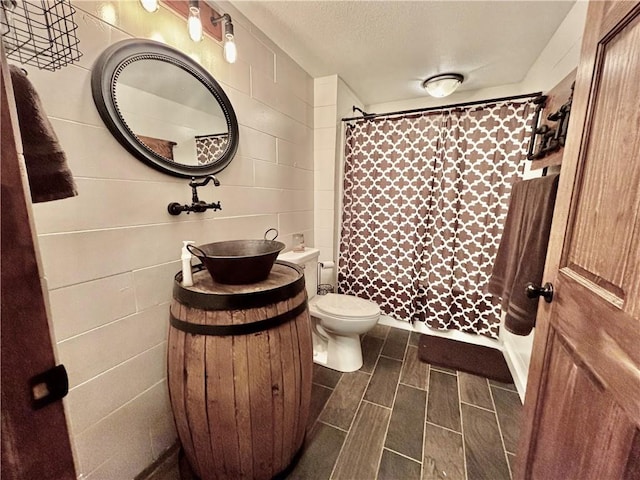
column 237, row 329
column 234, row 301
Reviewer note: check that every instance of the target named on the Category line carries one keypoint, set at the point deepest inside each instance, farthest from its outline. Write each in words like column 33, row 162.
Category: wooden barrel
column 240, row 360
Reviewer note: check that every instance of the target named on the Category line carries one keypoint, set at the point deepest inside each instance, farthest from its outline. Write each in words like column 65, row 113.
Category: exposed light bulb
column 150, row 5
column 230, row 50
column 194, row 24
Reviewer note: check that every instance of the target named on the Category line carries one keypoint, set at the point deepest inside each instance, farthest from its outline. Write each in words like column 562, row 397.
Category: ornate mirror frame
column 104, row 77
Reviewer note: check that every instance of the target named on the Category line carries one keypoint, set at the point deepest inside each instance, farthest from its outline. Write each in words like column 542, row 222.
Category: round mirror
column 164, row 108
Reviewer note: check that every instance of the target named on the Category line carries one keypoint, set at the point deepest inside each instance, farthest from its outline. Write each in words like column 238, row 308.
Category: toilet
column 338, row 320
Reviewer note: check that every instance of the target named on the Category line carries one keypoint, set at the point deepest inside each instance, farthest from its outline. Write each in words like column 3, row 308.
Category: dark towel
column 49, row 176
column 523, row 250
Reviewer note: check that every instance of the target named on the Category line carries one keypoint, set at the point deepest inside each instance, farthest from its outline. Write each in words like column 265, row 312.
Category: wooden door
column 582, row 409
column 35, row 443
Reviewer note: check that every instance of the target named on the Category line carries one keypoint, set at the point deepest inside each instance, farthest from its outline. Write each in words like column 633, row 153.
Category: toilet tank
column 308, row 260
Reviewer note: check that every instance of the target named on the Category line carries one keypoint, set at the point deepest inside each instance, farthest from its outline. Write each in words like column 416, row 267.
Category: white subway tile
column 324, row 219
column 325, row 117
column 324, row 138
column 130, row 203
column 239, row 173
column 76, row 257
column 119, row 446
column 325, row 91
column 256, row 144
column 154, row 285
column 85, row 306
column 323, row 200
column 87, row 404
column 254, row 52
column 253, row 201
column 282, row 176
column 93, row 152
column 323, row 157
column 293, row 78
column 294, row 222
column 66, row 93
column 95, row 35
column 259, row 116
column 277, row 97
column 241, row 228
column 324, row 178
column 297, row 200
column 162, row 431
column 295, row 155
column 92, row 353
column 324, row 237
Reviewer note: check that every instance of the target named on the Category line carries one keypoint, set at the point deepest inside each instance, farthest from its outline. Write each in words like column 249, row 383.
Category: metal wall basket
column 39, row 33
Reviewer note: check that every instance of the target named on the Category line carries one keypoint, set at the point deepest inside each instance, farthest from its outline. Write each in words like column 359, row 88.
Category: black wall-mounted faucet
column 197, row 205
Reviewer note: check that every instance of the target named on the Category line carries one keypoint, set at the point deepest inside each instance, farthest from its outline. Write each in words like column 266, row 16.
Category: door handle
column 534, row 291
column 48, row 387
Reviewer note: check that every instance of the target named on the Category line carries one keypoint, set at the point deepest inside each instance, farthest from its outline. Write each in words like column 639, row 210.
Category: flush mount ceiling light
column 442, row 85
column 230, row 51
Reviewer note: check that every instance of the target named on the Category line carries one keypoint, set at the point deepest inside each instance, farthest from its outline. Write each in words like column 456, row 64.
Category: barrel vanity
column 239, row 373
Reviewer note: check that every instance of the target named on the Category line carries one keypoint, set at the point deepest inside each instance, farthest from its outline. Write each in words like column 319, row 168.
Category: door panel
column 608, row 187
column 582, row 409
column 580, row 400
column 35, row 443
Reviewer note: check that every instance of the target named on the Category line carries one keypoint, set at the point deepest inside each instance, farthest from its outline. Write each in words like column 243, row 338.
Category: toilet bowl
column 338, row 320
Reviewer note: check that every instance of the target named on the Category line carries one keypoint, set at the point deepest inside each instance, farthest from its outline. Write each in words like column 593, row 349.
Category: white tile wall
column 324, row 145
column 110, row 254
column 333, row 101
column 92, row 353
column 85, row 306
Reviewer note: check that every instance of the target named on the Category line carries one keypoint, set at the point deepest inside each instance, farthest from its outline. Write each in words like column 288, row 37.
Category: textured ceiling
column 384, row 49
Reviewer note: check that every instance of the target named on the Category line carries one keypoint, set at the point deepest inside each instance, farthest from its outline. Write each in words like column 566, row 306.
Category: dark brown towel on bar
column 49, row 176
column 523, row 250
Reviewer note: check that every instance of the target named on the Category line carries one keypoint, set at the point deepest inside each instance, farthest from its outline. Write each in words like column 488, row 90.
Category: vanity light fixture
column 194, row 25
column 442, row 85
column 230, row 50
column 150, row 5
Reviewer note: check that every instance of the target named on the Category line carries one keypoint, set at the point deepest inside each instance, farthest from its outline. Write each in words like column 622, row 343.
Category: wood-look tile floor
column 400, row 419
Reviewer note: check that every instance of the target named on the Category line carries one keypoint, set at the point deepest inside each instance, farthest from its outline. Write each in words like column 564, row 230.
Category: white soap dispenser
column 187, row 278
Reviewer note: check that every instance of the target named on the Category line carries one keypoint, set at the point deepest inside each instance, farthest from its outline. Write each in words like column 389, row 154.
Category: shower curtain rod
column 369, row 116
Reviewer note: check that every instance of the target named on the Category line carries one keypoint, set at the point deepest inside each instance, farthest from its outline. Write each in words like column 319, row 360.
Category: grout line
column 402, row 455
column 436, row 368
column 355, row 415
column 477, row 406
column 504, row 449
column 324, row 386
column 386, row 432
column 491, row 385
column 424, row 427
column 412, row 386
column 464, row 443
column 332, row 425
column 445, row 428
column 393, row 358
column 377, row 404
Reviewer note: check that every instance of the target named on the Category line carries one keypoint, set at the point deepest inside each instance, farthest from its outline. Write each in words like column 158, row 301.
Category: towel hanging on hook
column 523, row 250
column 47, row 170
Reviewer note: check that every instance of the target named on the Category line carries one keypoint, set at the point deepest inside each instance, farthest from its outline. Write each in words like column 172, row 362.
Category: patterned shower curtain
column 425, row 199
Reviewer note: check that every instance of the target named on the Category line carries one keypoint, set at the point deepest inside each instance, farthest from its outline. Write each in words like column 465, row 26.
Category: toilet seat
column 347, row 307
